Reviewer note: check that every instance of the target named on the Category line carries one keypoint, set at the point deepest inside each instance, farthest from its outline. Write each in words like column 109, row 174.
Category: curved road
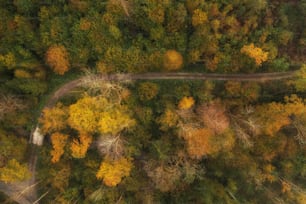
column 25, row 192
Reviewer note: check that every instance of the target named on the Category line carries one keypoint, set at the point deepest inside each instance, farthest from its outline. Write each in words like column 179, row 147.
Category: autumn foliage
column 80, row 146
column 112, row 171
column 198, row 142
column 173, row 60
column 97, row 114
column 186, row 103
column 14, row 171
column 199, row 17
column 54, row 119
column 255, row 53
column 58, row 141
column 214, row 117
column 57, row 59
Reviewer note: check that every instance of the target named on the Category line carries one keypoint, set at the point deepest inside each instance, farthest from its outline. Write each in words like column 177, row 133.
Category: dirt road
column 259, row 77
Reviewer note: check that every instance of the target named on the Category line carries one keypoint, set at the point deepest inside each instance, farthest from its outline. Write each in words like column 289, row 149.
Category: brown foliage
column 214, row 117
column 57, row 59
column 10, row 104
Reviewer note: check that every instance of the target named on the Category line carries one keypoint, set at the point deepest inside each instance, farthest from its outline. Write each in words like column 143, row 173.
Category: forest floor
column 25, row 192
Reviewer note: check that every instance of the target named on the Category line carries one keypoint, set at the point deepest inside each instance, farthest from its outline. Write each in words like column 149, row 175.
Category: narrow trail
column 25, row 192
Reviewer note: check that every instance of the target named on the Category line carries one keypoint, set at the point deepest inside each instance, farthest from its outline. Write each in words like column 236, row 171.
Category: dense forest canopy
column 154, row 141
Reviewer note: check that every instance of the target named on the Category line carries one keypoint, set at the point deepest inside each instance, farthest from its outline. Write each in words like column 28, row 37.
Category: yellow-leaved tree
column 83, row 115
column 57, row 58
column 112, row 171
column 199, row 17
column 273, row 116
column 168, row 119
column 14, row 171
column 173, row 60
column 186, row 103
column 255, row 53
column 58, row 141
column 97, row 114
column 80, row 146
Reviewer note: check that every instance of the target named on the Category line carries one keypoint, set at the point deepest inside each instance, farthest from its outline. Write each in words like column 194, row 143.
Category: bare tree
column 301, row 131
column 111, row 146
column 110, row 90
column 245, row 126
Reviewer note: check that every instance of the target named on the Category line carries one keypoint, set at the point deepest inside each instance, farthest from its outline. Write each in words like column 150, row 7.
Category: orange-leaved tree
column 54, row 119
column 255, row 53
column 57, row 58
column 80, row 146
column 58, row 141
column 112, row 171
column 198, row 142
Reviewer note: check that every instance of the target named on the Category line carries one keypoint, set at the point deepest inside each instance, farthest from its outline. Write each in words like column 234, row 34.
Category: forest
column 79, row 72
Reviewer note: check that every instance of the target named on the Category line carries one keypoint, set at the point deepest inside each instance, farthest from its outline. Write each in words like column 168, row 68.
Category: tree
column 173, row 60
column 80, row 146
column 198, row 142
column 14, row 171
column 111, row 146
column 300, row 82
column 114, row 121
column 199, row 17
column 112, row 172
column 10, row 104
column 8, row 146
column 54, row 119
column 58, row 141
column 83, row 115
column 213, row 116
column 60, row 178
column 186, row 103
column 273, row 116
column 147, row 91
column 255, row 53
column 57, row 58
column 97, row 114
column 164, row 177
column 168, row 119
